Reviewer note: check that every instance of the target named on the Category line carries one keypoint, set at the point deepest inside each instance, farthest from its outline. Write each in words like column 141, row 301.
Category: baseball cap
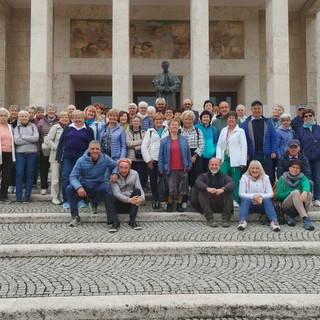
column 301, row 106
column 294, row 142
column 256, row 102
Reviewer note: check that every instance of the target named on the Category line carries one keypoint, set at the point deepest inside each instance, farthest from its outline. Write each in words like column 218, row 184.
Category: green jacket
column 283, row 189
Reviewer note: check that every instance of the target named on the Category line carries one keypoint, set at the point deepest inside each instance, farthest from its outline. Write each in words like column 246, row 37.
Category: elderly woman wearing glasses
column 309, row 137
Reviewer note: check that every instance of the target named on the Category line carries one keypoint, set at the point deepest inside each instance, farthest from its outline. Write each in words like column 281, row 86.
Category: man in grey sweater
column 126, row 197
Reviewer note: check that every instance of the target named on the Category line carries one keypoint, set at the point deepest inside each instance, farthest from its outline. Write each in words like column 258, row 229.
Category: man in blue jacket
column 87, row 179
column 261, row 139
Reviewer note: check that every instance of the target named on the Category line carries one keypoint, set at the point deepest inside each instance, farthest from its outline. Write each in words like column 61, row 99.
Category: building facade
column 81, row 51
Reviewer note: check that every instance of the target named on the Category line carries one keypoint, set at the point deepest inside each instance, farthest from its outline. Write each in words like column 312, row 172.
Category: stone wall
column 72, row 74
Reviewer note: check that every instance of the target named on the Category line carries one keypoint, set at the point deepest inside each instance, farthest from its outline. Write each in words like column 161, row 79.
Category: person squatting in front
column 126, row 197
column 87, row 180
column 215, row 194
column 293, row 189
column 256, row 194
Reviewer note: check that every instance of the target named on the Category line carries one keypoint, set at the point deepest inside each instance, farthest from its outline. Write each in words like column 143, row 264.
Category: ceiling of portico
column 294, row 5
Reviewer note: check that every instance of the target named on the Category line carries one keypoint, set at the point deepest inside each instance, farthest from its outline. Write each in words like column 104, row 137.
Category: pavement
column 176, row 267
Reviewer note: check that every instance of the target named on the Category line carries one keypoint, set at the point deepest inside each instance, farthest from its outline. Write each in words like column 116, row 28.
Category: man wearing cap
column 297, row 121
column 126, row 197
column 293, row 153
column 87, row 179
column 261, row 139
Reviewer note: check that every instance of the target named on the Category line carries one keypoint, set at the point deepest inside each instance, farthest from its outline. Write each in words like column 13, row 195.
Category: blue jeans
column 246, row 206
column 98, row 193
column 28, row 161
column 315, row 172
column 66, row 167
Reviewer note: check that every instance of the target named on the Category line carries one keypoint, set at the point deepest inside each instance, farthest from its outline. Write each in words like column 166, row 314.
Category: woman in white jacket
column 232, row 151
column 150, row 148
column 255, row 193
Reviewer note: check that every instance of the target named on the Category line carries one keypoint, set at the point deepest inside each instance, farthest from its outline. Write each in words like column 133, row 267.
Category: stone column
column 120, row 54
column 277, row 49
column 316, row 105
column 41, row 55
column 199, row 16
column 3, row 69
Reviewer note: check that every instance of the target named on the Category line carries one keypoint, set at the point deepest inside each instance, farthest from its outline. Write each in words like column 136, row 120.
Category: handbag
column 163, row 189
column 138, row 153
column 274, row 188
column 45, row 150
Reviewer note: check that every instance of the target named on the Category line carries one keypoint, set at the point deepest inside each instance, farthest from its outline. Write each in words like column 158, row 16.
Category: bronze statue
column 166, row 84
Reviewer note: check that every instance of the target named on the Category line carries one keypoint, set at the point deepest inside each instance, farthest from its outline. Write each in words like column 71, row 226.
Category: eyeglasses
column 308, row 116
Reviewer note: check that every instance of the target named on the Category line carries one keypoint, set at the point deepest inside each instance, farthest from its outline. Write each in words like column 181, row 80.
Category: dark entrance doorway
column 85, row 98
column 230, row 97
column 150, row 97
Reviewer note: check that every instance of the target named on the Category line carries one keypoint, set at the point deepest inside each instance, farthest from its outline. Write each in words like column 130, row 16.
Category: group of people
column 230, row 158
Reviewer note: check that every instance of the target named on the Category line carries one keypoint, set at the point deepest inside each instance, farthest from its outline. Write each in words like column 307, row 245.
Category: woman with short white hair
column 26, row 137
column 284, row 134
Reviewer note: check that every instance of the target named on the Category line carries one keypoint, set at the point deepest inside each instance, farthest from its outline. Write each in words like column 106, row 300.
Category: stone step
column 175, row 268
column 45, row 212
column 156, row 249
column 152, row 232
column 165, row 307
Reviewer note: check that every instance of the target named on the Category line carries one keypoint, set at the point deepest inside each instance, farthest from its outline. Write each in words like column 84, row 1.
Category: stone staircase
column 176, row 267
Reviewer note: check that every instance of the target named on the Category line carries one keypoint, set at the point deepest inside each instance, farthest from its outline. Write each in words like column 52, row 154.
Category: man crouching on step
column 87, row 180
column 126, row 197
column 215, row 194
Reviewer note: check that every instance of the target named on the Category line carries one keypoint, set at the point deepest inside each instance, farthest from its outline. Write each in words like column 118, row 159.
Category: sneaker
column 275, row 226
column 316, row 203
column 235, row 204
column 10, row 189
column 93, row 209
column 75, row 221
column 25, row 200
column 4, row 200
column 56, row 201
column 154, row 205
column 43, row 192
column 134, row 225
column 169, row 207
column 81, row 204
column 291, row 222
column 211, row 223
column 66, row 205
column 115, row 227
column 242, row 225
column 179, row 207
column 307, row 224
column 225, row 224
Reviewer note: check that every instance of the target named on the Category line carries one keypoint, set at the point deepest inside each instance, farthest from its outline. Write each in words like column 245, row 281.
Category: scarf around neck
column 309, row 125
column 290, row 180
